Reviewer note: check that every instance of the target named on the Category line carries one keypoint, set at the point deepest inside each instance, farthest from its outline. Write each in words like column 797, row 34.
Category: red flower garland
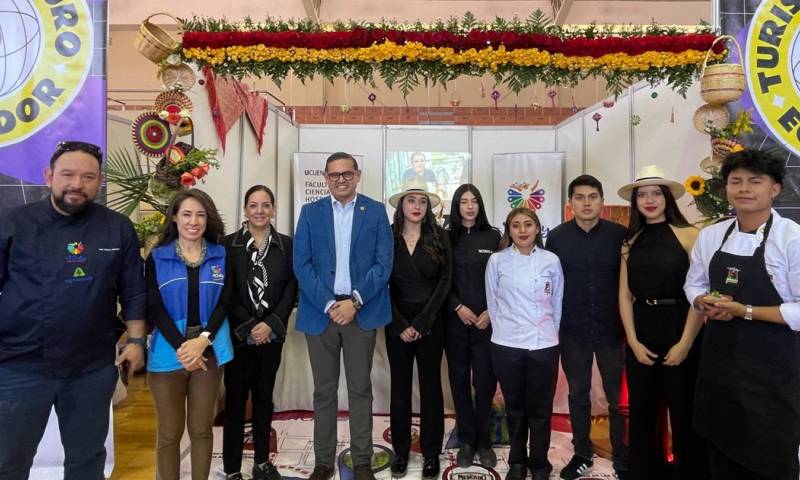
column 477, row 39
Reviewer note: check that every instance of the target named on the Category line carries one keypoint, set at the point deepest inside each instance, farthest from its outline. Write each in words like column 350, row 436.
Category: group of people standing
column 503, row 307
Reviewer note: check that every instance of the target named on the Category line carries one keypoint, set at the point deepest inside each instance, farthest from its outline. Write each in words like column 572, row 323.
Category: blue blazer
column 371, row 251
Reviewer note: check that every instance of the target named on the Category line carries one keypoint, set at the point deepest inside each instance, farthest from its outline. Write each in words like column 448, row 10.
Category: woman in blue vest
column 185, row 275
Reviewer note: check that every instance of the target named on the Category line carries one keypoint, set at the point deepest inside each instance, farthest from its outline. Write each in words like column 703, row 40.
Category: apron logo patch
column 547, row 288
column 732, row 278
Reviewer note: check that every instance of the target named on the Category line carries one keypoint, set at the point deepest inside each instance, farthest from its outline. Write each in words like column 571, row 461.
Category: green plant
column 131, row 182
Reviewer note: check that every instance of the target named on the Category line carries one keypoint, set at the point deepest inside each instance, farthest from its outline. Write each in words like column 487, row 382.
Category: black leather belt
column 339, row 298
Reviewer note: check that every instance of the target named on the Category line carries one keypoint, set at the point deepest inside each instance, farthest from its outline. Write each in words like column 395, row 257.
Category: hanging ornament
column 372, row 97
column 151, row 134
column 635, row 120
column 455, row 99
column 596, row 117
column 483, row 90
column 672, row 114
column 346, row 105
column 574, row 108
column 608, row 103
column 552, row 94
column 495, row 96
column 654, row 95
column 345, row 108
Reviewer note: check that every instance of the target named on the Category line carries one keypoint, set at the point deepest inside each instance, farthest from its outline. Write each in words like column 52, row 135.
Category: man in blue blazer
column 343, row 250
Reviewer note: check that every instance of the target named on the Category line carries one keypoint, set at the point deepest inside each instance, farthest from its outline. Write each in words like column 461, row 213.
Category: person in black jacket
column 468, row 330
column 418, row 286
column 260, row 293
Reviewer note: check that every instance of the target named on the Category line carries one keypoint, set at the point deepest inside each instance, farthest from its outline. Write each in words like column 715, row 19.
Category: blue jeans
column 81, row 404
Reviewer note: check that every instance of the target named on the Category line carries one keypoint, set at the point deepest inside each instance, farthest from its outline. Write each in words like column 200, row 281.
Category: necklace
column 197, row 262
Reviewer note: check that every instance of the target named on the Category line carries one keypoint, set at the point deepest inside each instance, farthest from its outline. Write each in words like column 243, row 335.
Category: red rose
column 187, row 180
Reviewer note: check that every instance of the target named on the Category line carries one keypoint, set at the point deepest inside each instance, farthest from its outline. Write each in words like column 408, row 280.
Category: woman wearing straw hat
column 661, row 328
column 418, row 286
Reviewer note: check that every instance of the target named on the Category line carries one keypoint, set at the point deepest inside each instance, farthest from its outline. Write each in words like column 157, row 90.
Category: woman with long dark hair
column 419, row 284
column 524, row 289
column 185, row 275
column 660, row 327
column 259, row 296
column 467, row 326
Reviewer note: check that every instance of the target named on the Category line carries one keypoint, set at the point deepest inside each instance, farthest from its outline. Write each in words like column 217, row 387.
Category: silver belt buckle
column 651, row 302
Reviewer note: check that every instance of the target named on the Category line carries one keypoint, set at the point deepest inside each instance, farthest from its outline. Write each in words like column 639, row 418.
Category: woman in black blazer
column 418, row 286
column 260, row 293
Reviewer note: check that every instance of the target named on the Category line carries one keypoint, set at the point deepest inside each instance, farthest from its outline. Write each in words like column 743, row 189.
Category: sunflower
column 695, row 185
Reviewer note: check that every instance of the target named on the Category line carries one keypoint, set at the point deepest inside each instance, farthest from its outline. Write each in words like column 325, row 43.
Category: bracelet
column 458, row 307
column 136, row 341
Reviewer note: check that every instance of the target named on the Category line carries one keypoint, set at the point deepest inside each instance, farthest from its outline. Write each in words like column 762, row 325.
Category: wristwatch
column 748, row 312
column 356, row 302
column 136, row 341
column 207, row 336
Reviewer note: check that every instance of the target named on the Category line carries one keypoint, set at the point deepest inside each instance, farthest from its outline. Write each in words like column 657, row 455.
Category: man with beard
column 65, row 262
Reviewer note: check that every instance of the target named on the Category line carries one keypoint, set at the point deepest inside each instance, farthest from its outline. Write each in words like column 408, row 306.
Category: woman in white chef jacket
column 524, row 288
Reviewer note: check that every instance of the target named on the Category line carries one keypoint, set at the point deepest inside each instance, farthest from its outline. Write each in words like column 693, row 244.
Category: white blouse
column 523, row 296
column 781, row 255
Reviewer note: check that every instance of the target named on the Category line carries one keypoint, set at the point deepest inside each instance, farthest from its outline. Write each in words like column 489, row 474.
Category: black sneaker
column 265, row 471
column 465, row 456
column 430, row 468
column 576, row 468
column 399, row 467
column 487, row 458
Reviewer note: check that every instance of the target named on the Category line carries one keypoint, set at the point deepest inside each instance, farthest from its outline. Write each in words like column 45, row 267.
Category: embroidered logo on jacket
column 216, row 272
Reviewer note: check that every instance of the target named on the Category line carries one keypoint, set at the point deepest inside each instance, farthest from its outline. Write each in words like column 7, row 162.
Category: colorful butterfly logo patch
column 525, row 195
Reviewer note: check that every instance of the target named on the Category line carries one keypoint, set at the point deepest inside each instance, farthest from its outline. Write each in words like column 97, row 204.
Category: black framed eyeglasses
column 77, row 146
column 334, row 176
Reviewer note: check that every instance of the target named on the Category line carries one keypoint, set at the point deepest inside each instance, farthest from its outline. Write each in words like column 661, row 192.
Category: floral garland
column 517, row 53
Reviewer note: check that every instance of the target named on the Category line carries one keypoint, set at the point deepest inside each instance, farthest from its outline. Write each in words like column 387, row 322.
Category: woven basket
column 154, row 42
column 723, row 82
column 716, row 115
column 724, row 146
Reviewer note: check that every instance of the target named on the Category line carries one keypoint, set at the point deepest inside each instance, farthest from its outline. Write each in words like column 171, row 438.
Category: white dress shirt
column 781, row 255
column 343, row 229
column 523, row 297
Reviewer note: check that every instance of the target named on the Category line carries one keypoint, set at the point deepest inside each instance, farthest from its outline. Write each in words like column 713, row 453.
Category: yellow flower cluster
column 488, row 57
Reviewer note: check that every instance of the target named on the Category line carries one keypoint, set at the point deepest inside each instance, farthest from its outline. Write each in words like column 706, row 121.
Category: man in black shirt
column 64, row 264
column 589, row 249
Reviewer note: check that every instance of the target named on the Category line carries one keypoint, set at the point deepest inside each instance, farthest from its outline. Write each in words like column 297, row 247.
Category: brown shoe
column 322, row 472
column 363, row 472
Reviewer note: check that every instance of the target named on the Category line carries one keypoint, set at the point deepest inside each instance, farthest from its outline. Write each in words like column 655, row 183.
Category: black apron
column 747, row 400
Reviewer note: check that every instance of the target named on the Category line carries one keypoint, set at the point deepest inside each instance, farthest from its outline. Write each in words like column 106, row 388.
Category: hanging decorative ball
column 536, row 105
column 574, row 108
column 495, row 96
column 345, row 108
column 654, row 95
column 455, row 99
column 636, row 120
column 372, row 97
column 552, row 94
column 596, row 117
column 608, row 103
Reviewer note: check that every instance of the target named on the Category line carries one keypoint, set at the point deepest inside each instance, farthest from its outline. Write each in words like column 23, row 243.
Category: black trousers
column 428, row 353
column 724, row 468
column 469, row 359
column 252, row 370
column 577, row 359
column 650, row 388
column 528, row 380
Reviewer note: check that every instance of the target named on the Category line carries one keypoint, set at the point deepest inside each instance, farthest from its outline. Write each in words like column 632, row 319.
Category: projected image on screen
column 439, row 172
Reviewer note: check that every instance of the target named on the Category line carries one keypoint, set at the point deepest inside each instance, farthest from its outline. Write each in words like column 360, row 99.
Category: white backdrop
column 528, row 179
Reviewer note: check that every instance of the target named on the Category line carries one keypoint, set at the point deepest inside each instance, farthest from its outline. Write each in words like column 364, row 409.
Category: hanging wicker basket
column 724, row 146
column 723, row 82
column 154, row 42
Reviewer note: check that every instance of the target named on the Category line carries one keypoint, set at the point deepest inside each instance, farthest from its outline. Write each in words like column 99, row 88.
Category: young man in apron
column 745, row 276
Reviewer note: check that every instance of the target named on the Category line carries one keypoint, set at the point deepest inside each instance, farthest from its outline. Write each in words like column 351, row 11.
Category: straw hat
column 652, row 175
column 414, row 186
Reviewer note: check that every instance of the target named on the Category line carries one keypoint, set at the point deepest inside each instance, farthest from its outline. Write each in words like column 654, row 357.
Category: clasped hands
column 342, row 312
column 190, row 354
column 468, row 317
column 721, row 307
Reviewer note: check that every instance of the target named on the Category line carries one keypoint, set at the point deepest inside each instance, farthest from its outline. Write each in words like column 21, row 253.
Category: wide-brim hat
column 652, row 175
column 415, row 186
